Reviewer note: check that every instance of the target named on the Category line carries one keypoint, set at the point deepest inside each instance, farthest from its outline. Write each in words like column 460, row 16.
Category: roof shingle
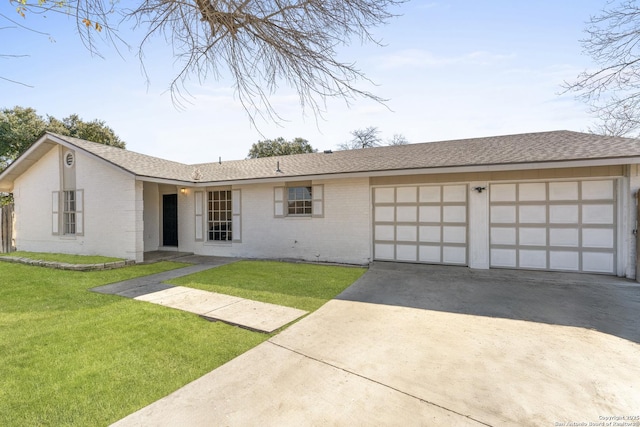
column 554, row 146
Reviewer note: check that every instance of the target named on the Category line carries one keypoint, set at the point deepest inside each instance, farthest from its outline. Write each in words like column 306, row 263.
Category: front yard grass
column 70, row 357
column 297, row 285
column 73, row 357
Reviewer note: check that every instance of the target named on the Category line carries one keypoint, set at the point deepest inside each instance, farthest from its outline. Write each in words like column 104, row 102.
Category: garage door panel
column 564, row 237
column 406, row 194
column 503, row 258
column 407, row 213
column 503, row 236
column 429, row 214
column 454, row 214
column 406, row 252
column 503, row 193
column 533, row 258
column 430, row 233
column 454, row 193
column 532, row 192
column 597, row 214
column 407, row 233
column 430, row 194
column 563, row 214
column 533, row 236
column 384, row 232
column 384, row 251
column 430, row 254
column 454, row 234
column 454, row 254
column 385, row 195
column 385, row 213
column 568, row 225
column 564, row 260
column 503, row 214
column 598, row 262
column 597, row 238
column 532, row 214
column 597, row 190
column 563, row 191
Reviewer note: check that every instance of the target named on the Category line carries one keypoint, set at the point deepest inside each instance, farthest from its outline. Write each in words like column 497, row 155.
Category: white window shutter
column 317, row 193
column 278, row 201
column 55, row 210
column 79, row 212
column 199, row 215
column 236, row 224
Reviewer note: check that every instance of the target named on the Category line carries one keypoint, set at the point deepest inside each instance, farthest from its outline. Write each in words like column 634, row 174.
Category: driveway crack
column 379, row 383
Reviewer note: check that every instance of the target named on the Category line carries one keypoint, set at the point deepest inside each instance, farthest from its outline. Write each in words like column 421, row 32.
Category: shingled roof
column 555, row 146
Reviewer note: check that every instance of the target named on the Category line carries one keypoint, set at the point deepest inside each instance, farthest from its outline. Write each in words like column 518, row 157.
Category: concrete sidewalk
column 254, row 315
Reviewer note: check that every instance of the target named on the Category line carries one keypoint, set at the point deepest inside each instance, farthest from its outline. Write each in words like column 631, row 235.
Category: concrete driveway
column 431, row 345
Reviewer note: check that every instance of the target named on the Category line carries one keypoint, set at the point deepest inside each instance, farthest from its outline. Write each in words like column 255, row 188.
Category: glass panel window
column 69, row 212
column 219, row 215
column 299, row 201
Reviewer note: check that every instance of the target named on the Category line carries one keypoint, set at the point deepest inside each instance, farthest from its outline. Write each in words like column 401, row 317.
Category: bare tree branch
column 262, row 44
column 612, row 91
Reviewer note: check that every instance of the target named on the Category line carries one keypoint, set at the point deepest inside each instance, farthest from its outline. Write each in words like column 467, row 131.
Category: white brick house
column 551, row 201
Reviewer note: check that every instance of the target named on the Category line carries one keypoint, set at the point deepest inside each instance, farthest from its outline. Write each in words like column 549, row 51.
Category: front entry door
column 170, row 220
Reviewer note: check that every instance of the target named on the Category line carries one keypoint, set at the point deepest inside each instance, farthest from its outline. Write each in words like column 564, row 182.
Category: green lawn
column 64, row 258
column 303, row 286
column 70, row 357
column 73, row 357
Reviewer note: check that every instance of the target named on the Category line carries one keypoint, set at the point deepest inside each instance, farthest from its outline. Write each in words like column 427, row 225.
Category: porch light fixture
column 183, row 190
column 479, row 189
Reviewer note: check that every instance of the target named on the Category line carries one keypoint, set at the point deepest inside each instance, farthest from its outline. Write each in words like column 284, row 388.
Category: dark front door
column 170, row 220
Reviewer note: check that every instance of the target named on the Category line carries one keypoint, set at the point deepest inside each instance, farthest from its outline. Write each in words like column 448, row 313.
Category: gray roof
column 554, row 146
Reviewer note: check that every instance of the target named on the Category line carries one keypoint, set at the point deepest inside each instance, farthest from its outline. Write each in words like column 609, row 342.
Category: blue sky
column 450, row 69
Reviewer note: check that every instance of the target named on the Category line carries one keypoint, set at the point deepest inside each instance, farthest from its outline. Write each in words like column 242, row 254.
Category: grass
column 303, row 286
column 69, row 357
column 63, row 258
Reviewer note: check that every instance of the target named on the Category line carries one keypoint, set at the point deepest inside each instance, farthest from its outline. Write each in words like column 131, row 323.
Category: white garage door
column 421, row 224
column 567, row 226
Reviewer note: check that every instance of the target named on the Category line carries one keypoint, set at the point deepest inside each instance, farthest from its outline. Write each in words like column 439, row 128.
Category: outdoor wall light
column 479, row 189
column 183, row 190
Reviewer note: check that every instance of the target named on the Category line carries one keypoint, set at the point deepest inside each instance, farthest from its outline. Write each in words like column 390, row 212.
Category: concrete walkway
column 254, row 315
column 428, row 345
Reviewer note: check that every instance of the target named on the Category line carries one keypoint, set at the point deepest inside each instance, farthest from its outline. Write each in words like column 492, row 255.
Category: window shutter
column 278, row 202
column 55, row 209
column 79, row 212
column 317, row 193
column 199, row 213
column 236, row 225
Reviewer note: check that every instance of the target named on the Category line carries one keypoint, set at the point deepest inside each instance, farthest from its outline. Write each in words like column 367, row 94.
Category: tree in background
column 612, row 91
column 370, row 137
column 362, row 138
column 261, row 44
column 398, row 139
column 279, row 147
column 20, row 127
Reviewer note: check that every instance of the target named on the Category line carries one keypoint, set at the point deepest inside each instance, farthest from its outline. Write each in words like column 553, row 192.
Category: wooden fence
column 6, row 229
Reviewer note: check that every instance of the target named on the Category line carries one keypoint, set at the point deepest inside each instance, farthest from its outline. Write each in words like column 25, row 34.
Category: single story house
column 556, row 200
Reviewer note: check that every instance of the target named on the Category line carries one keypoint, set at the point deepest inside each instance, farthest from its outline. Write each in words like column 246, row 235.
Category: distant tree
column 398, row 139
column 279, row 147
column 362, row 138
column 20, row 127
